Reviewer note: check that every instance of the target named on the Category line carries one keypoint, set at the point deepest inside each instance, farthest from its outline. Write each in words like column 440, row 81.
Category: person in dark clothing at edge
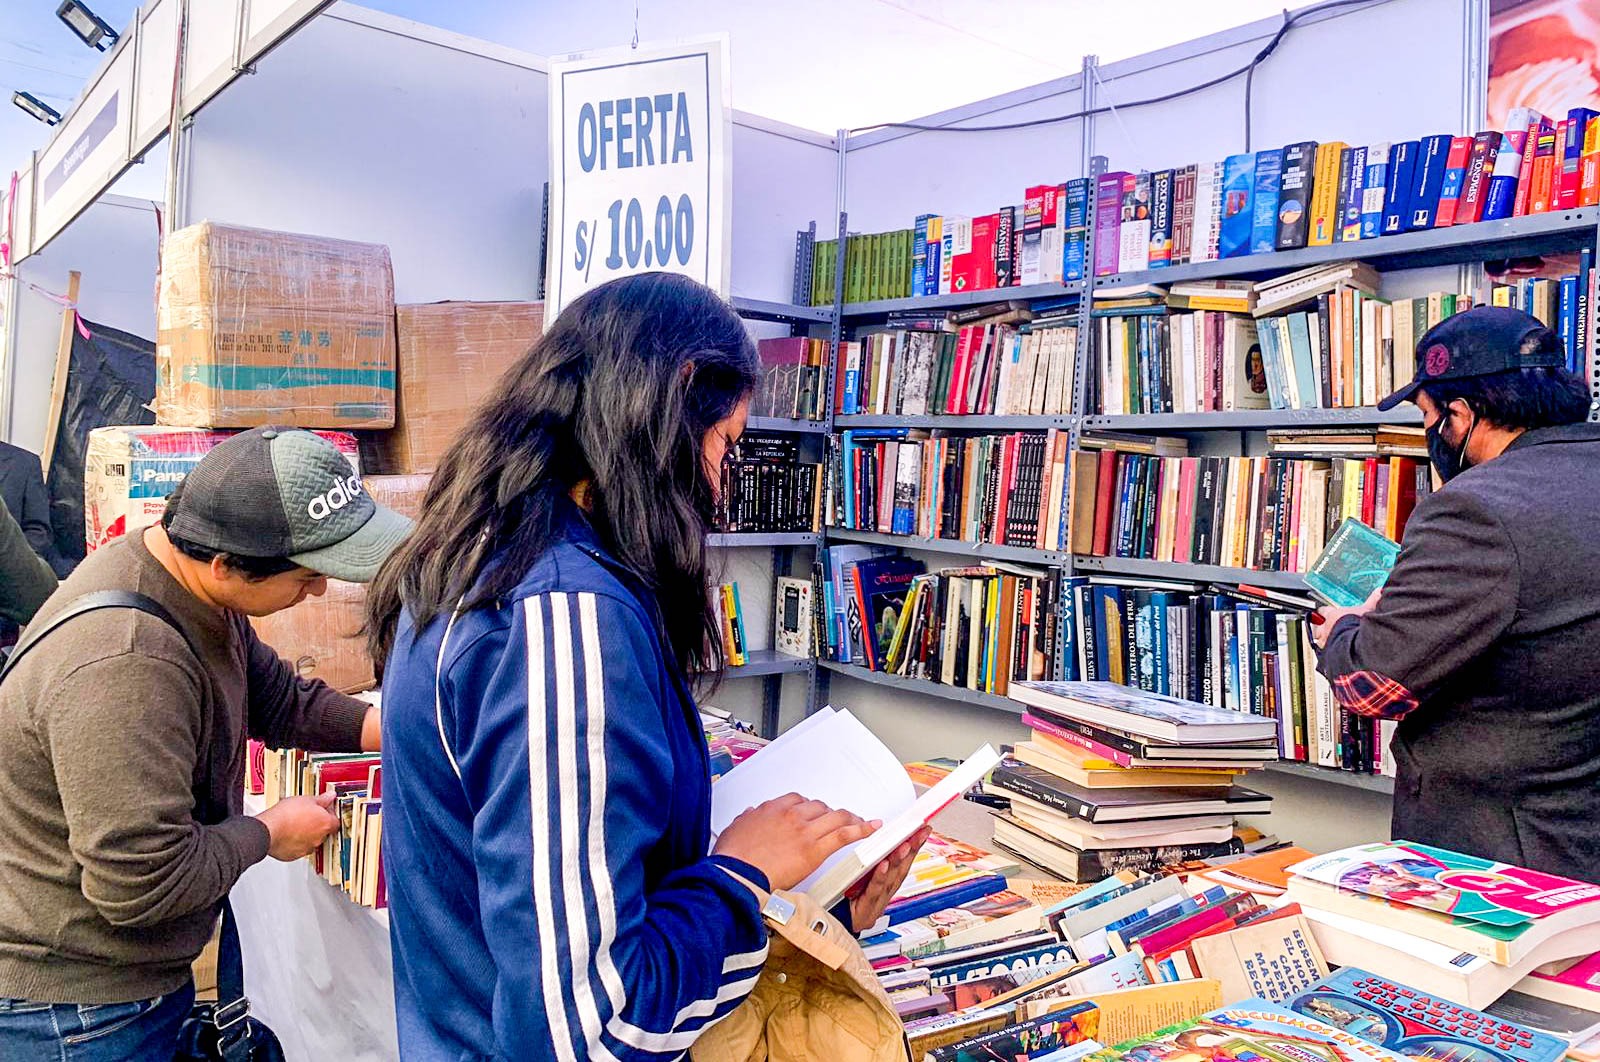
column 1482, row 642
column 22, row 490
column 25, row 579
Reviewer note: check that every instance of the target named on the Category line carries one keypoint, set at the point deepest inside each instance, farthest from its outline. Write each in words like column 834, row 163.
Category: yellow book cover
column 1134, row 1013
column 1325, row 194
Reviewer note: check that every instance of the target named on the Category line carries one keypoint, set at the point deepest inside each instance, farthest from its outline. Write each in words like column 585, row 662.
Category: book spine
column 1480, row 168
column 1183, row 201
column 1355, row 198
column 1397, row 199
column 1294, row 197
column 1376, row 191
column 919, row 256
column 1455, row 176
column 1107, row 223
column 1433, row 153
column 1160, row 255
column 1502, row 194
column 1347, row 168
column 1264, row 223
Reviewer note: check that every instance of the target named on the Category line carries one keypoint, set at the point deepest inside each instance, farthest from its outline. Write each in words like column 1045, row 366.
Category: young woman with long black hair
column 547, row 798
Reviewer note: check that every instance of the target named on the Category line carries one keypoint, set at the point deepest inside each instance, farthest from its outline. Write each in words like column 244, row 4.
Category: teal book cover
column 1356, row 561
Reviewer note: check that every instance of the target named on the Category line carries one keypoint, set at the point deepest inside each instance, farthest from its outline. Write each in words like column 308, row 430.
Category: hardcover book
column 1252, row 1030
column 1397, row 199
column 1108, row 223
column 1161, row 220
column 1149, row 714
column 1356, row 561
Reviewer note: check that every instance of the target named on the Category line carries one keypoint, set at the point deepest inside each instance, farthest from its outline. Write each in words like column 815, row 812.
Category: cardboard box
column 451, row 356
column 257, row 327
column 321, row 636
column 128, row 473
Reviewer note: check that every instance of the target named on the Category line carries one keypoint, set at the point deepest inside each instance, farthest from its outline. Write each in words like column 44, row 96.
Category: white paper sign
column 640, row 169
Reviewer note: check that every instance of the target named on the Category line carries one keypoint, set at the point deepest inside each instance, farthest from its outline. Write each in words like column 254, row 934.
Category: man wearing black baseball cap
column 122, row 742
column 1482, row 642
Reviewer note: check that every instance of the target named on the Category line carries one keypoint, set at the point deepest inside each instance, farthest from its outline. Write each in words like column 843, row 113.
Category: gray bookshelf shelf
column 761, row 663
column 923, row 687
column 956, row 300
column 1253, row 419
column 757, row 539
column 806, row 427
column 953, row 422
column 1372, row 783
column 953, row 546
column 1564, row 230
column 1200, row 573
column 763, row 310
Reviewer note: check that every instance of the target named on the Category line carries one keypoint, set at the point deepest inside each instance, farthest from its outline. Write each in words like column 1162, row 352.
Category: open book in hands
column 833, row 758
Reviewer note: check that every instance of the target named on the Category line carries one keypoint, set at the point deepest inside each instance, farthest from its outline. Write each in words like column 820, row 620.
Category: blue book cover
column 1073, row 262
column 1066, row 620
column 1125, row 512
column 1349, row 228
column 1305, row 373
column 930, row 276
column 1501, row 199
column 1144, row 642
column 1238, row 210
column 1567, row 321
column 1039, row 960
column 1428, row 181
column 945, row 898
column 1272, row 361
column 1375, row 190
column 1264, row 226
column 1161, row 640
column 1397, row 198
column 1578, row 119
column 1105, row 601
column 919, row 256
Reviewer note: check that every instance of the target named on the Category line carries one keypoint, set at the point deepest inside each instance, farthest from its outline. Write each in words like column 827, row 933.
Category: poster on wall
column 1543, row 54
column 641, row 173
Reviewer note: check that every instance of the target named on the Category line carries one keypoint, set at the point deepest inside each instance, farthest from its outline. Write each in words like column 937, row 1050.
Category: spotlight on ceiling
column 36, row 107
column 90, row 27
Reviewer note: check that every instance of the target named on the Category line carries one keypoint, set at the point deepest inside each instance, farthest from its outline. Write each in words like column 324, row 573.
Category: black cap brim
column 1402, row 395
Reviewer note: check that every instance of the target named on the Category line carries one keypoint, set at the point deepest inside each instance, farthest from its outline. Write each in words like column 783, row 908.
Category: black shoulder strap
column 94, row 601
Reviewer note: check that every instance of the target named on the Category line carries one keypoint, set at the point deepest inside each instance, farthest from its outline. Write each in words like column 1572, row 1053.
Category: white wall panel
column 366, row 133
column 782, row 182
column 157, row 67
column 211, row 44
column 113, row 244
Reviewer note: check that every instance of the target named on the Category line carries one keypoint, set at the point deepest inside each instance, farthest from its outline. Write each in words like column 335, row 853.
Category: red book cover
column 1589, row 179
column 1524, row 198
column 1541, row 190
column 972, row 269
column 1475, row 192
column 1059, row 733
column 1402, row 494
column 1188, row 470
column 1008, row 481
column 1460, row 154
column 1215, row 324
column 375, row 782
column 1369, row 492
column 1105, row 502
column 956, row 393
column 258, row 767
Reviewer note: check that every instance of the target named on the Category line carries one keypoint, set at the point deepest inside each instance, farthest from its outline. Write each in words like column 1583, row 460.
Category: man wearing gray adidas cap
column 122, row 743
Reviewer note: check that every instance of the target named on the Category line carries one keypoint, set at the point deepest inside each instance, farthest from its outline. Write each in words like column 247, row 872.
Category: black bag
column 222, row 1031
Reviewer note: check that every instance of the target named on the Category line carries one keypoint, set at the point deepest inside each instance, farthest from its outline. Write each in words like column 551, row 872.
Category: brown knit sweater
column 112, row 734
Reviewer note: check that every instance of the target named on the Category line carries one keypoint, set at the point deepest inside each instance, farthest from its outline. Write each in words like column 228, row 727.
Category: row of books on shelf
column 351, row 858
column 1008, row 490
column 730, row 624
column 766, row 487
column 1042, row 240
column 1002, row 366
column 1340, row 346
column 1310, row 194
column 1269, row 513
column 792, row 373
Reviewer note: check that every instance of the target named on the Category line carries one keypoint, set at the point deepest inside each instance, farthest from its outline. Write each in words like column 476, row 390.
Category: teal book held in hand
column 1355, row 562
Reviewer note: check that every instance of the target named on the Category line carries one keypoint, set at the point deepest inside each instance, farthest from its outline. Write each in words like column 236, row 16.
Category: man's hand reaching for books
column 1323, row 620
column 871, row 897
column 789, row 837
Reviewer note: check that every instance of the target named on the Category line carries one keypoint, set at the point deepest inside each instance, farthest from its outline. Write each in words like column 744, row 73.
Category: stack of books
column 1117, row 779
column 1001, row 365
column 1459, row 927
column 1008, row 490
column 767, row 487
column 730, row 741
column 1310, row 194
column 1269, row 513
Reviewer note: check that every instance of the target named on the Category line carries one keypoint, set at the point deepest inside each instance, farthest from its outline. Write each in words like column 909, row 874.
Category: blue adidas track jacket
column 546, row 823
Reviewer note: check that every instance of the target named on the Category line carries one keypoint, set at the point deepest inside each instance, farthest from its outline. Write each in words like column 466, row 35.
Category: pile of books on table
column 1114, row 778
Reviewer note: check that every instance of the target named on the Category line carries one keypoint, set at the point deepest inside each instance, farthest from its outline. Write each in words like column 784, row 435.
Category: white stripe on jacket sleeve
column 571, row 836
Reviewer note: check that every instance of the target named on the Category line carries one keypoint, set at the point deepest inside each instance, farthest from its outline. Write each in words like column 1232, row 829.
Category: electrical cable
column 1247, row 70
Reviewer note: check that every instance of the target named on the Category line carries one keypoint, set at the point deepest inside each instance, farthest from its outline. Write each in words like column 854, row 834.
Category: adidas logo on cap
column 342, row 493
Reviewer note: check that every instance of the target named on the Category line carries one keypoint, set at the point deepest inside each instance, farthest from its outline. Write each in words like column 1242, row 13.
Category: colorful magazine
column 1028, row 1040
column 1456, row 885
column 1412, row 1023
column 1252, row 1031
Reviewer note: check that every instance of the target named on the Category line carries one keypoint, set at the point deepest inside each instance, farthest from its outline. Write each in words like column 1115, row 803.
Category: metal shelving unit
column 954, row 422
column 1372, row 783
column 1188, row 573
column 757, row 539
column 803, row 427
column 954, row 546
column 783, row 312
column 763, row 663
column 1252, row 420
column 922, row 686
column 1513, row 237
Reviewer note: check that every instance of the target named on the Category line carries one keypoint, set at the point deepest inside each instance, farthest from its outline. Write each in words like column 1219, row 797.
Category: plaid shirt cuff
column 1373, row 695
